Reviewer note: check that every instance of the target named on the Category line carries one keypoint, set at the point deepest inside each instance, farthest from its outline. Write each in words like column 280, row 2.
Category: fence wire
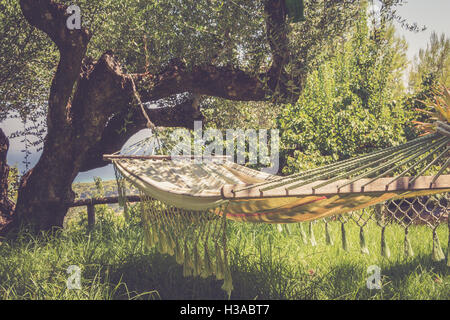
column 429, row 211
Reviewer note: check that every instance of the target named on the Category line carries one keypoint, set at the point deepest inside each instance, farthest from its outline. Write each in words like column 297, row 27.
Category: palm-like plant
column 438, row 109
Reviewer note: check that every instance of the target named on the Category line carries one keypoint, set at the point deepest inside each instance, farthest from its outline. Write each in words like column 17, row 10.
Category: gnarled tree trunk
column 78, row 142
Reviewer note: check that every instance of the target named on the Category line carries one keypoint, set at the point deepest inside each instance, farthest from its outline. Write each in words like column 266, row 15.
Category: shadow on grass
column 156, row 276
column 116, row 265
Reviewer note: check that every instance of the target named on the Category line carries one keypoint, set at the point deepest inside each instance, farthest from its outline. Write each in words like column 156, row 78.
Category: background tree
column 430, row 70
column 351, row 104
column 432, row 63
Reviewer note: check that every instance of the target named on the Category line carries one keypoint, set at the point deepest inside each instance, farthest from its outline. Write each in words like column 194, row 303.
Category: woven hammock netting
column 185, row 204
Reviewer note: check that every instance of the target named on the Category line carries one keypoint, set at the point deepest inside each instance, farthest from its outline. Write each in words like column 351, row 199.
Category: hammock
column 198, row 187
column 186, row 205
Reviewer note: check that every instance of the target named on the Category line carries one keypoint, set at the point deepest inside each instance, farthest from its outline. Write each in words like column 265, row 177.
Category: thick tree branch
column 226, row 82
column 276, row 29
column 51, row 17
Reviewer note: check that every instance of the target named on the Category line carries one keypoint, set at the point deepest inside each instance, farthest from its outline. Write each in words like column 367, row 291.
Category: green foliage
column 430, row 70
column 431, row 64
column 351, row 103
column 13, row 183
column 225, row 114
column 27, row 61
column 194, row 31
column 414, row 101
column 100, row 190
column 85, row 190
column 147, row 36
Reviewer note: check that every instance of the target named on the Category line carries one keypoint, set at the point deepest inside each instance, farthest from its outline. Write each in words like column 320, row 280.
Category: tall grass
column 265, row 264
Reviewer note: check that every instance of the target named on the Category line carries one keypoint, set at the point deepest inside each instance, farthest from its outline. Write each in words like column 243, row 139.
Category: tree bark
column 89, row 102
column 6, row 205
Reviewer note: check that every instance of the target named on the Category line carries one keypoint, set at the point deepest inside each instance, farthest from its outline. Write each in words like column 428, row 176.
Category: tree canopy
column 352, row 103
column 80, row 86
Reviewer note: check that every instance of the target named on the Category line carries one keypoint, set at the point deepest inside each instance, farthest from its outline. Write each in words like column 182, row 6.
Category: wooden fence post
column 91, row 215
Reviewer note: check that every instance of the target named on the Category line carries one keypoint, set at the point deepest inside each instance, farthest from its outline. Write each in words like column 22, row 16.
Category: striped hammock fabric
column 196, row 187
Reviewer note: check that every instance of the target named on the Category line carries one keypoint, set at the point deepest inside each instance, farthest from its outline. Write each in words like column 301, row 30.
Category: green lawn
column 265, row 264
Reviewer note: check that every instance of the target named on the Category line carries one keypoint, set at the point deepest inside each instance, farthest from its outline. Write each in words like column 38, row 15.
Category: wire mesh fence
column 427, row 211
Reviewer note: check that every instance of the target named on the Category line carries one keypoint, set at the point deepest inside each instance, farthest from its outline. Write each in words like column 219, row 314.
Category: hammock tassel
column 219, row 264
column 279, row 228
column 408, row 251
column 328, row 239
column 170, row 245
column 303, row 234
column 207, row 264
column 159, row 245
column 165, row 245
column 228, row 282
column 121, row 190
column 148, row 237
column 197, row 261
column 438, row 254
column 146, row 226
column 154, row 235
column 178, row 253
column 311, row 235
column 362, row 241
column 385, row 251
column 187, row 266
column 344, row 237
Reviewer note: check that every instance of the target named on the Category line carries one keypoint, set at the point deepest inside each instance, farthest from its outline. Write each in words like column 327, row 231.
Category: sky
column 433, row 14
